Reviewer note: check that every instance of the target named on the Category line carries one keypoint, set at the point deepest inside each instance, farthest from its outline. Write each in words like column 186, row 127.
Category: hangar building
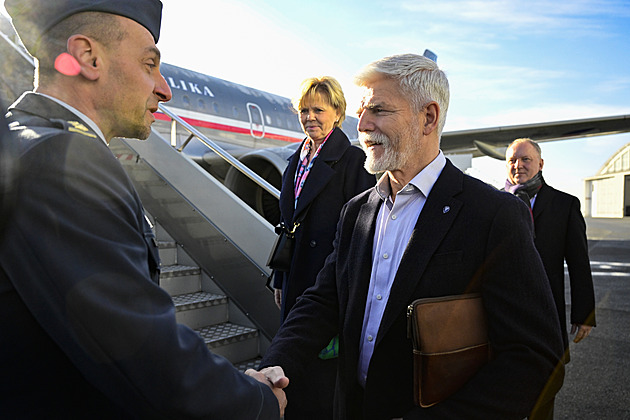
column 607, row 194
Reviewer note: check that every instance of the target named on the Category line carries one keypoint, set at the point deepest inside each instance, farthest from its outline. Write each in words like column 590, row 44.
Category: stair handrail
column 176, row 119
column 19, row 49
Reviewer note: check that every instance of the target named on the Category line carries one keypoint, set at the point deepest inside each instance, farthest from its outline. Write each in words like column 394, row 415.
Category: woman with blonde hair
column 322, row 175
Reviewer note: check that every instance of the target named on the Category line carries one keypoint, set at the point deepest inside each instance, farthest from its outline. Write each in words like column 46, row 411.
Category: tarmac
column 597, row 380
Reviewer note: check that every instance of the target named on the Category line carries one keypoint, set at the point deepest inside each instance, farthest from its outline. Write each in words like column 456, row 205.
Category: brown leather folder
column 450, row 343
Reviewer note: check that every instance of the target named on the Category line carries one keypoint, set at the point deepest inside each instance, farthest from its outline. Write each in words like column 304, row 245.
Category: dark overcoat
column 85, row 331
column 468, row 238
column 561, row 236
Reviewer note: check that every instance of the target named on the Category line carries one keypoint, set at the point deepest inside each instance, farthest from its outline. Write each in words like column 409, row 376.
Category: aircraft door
column 256, row 120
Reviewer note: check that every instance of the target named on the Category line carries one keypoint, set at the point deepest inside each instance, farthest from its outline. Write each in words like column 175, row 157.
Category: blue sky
column 508, row 61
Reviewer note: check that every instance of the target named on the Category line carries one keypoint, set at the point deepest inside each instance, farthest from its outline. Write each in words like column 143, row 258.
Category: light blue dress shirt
column 394, row 225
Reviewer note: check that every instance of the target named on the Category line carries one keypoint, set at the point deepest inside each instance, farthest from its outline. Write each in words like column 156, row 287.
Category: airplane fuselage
column 236, row 114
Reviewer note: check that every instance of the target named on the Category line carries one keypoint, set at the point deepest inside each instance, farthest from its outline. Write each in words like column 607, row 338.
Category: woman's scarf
column 304, row 168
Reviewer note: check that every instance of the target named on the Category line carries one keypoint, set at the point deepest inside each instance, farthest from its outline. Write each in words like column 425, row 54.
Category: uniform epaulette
column 77, row 127
column 72, row 126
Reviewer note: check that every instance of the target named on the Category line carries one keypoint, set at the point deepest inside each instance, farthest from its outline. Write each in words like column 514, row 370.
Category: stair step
column 180, row 279
column 196, row 300
column 248, row 364
column 234, row 342
column 168, row 252
column 179, row 270
column 166, row 244
column 201, row 308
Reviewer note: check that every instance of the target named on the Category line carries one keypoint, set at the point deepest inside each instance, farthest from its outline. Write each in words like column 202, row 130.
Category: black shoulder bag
column 282, row 250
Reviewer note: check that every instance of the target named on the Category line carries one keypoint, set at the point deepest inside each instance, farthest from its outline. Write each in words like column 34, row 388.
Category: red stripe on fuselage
column 229, row 128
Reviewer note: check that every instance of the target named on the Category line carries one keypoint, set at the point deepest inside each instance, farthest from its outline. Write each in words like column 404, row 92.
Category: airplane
column 262, row 130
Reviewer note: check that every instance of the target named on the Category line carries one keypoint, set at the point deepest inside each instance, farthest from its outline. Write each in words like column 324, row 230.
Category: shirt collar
column 422, row 182
column 79, row 114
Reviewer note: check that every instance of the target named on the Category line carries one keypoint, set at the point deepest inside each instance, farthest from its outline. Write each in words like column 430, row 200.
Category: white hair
column 419, row 79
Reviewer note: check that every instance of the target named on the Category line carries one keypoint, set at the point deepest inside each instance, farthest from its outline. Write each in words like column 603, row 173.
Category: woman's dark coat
column 337, row 175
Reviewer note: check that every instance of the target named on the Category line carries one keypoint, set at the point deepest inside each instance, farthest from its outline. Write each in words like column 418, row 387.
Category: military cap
column 33, row 18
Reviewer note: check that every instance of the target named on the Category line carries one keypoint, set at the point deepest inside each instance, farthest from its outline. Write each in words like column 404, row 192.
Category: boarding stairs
column 212, row 249
column 207, row 312
column 212, row 245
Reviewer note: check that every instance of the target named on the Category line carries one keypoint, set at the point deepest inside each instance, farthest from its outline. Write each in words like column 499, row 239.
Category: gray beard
column 395, row 154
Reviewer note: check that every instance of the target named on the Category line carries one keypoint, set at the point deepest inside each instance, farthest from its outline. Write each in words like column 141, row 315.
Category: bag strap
column 296, row 224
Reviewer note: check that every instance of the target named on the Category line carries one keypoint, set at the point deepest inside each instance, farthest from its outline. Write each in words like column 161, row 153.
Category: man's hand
column 582, row 331
column 274, row 378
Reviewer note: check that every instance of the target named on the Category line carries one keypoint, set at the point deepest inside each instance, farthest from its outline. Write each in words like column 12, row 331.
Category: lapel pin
column 446, row 209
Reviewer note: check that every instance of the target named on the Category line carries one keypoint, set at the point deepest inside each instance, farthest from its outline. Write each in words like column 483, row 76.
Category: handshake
column 275, row 379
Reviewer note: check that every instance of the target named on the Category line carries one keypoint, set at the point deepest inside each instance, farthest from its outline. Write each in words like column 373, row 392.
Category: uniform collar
column 79, row 114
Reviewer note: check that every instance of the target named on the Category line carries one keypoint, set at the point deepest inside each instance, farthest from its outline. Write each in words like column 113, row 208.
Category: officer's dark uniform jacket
column 85, row 332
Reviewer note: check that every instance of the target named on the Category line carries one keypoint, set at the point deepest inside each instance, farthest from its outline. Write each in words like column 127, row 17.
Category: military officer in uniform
column 85, row 331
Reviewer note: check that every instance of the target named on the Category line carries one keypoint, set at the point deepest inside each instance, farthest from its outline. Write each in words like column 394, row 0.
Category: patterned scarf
column 527, row 190
column 304, row 168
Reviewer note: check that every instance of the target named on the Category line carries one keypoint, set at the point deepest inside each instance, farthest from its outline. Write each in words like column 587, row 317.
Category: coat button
column 313, row 244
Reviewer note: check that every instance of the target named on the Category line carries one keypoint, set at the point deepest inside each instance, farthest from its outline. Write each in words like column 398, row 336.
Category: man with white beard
column 425, row 230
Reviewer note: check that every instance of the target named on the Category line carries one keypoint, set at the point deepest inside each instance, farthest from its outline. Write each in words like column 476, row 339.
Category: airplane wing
column 493, row 141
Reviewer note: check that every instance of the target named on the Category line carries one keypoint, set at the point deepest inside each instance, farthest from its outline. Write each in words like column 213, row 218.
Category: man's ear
column 87, row 54
column 432, row 112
